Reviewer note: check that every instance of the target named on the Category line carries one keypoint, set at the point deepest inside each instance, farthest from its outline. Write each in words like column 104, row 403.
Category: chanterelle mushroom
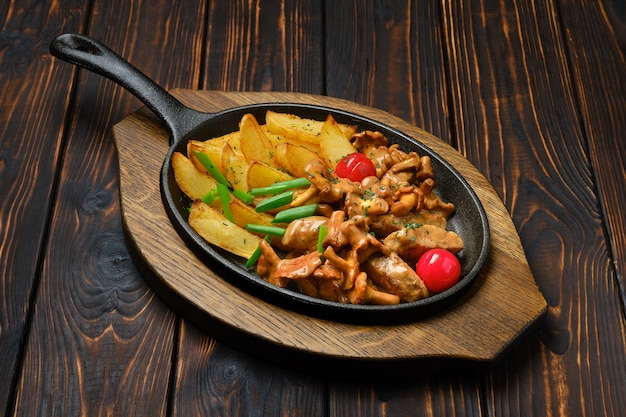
column 364, row 293
column 280, row 270
column 408, row 198
column 348, row 265
column 331, row 188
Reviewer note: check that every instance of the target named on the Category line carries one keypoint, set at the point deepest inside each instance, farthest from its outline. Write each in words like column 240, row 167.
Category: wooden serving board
column 501, row 305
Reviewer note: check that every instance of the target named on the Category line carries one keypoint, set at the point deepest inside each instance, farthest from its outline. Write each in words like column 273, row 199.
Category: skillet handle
column 88, row 53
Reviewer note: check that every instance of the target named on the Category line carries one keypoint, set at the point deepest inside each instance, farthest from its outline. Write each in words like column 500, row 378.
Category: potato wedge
column 333, row 144
column 193, row 183
column 232, row 138
column 212, row 149
column 263, row 175
column 296, row 158
column 290, row 125
column 280, row 156
column 244, row 214
column 306, row 130
column 278, row 140
column 235, row 167
column 254, row 143
column 217, row 230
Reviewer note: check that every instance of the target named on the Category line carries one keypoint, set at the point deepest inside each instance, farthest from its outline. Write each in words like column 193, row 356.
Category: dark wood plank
column 264, row 46
column 258, row 46
column 101, row 342
column 517, row 119
column 33, row 90
column 445, row 394
column 389, row 55
column 214, row 379
column 595, row 39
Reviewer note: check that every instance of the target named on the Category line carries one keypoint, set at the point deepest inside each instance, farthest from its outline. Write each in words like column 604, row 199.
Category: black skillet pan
column 469, row 219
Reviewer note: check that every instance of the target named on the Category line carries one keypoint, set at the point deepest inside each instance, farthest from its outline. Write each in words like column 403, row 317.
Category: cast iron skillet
column 469, row 220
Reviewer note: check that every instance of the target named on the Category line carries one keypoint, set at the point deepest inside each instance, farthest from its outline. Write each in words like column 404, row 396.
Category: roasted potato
column 277, row 140
column 306, row 130
column 294, row 158
column 235, row 167
column 333, row 144
column 232, row 138
column 194, row 183
column 263, row 175
column 244, row 214
column 217, row 230
column 212, row 149
column 255, row 145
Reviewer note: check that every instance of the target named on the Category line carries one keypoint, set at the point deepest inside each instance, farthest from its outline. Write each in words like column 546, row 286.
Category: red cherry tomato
column 439, row 269
column 355, row 167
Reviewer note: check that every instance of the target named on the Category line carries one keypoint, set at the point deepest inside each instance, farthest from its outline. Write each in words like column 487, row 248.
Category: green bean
column 274, row 202
column 208, row 164
column 265, row 230
column 294, row 213
column 243, row 196
column 225, row 197
column 322, row 232
column 211, row 196
column 255, row 255
column 280, row 187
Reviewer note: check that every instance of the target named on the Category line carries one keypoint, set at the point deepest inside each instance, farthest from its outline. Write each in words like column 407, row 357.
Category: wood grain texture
column 598, row 59
column 264, row 46
column 521, row 126
column 599, row 68
column 388, row 55
column 32, row 106
column 98, row 331
column 213, row 379
column 479, row 327
column 440, row 394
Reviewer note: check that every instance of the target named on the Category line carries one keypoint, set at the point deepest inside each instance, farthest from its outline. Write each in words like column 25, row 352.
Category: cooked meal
column 322, row 208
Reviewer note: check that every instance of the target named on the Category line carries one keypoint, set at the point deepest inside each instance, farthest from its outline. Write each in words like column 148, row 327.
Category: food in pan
column 322, row 208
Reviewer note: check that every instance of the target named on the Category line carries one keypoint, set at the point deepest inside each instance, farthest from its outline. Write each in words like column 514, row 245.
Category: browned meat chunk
column 411, row 243
column 303, row 233
column 388, row 223
column 395, row 276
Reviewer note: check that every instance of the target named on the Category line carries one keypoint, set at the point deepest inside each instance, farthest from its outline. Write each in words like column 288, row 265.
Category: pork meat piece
column 303, row 233
column 395, row 276
column 411, row 243
column 388, row 223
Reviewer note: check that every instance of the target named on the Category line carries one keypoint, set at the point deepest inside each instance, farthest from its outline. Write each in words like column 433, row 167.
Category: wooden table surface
column 533, row 93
